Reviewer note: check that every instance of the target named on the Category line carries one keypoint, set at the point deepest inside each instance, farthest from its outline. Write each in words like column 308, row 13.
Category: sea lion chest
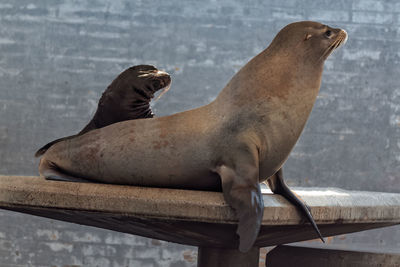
column 278, row 132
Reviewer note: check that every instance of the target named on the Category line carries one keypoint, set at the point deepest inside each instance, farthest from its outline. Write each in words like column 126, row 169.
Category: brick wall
column 56, row 57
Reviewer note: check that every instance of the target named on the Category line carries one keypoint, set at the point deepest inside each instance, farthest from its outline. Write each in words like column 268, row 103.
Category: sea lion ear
column 308, row 36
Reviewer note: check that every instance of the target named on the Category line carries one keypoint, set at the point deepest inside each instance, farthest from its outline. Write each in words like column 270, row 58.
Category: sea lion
column 237, row 141
column 126, row 98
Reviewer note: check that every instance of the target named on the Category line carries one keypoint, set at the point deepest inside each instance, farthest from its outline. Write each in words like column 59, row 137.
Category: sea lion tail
column 44, row 148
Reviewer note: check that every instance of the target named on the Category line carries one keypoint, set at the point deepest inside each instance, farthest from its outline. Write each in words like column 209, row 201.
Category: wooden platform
column 195, row 218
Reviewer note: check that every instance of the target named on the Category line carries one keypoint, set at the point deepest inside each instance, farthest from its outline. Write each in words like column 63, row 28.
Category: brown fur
column 235, row 142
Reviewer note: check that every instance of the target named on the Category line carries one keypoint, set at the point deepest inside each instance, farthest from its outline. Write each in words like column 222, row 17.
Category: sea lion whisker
column 336, row 44
column 331, row 47
column 343, row 40
column 326, row 53
column 164, row 90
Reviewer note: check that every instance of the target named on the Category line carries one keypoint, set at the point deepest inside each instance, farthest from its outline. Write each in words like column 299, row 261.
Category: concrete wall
column 56, row 57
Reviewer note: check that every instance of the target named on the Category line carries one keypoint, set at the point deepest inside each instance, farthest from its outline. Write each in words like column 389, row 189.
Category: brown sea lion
column 239, row 140
column 126, row 98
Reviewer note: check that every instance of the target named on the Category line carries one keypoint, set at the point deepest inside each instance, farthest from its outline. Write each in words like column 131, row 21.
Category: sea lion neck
column 275, row 76
column 289, row 70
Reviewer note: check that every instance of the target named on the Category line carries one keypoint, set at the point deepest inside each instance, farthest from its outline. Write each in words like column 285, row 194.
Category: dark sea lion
column 126, row 98
column 239, row 140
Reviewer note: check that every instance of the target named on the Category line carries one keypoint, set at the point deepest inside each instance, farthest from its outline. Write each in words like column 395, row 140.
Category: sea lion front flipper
column 279, row 186
column 242, row 191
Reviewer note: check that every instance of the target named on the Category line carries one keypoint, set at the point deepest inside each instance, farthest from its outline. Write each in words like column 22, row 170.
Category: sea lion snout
column 340, row 39
column 346, row 36
column 337, row 34
column 159, row 78
column 162, row 78
column 332, row 39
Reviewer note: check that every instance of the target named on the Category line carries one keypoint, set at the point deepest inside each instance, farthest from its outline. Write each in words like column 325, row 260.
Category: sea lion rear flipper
column 278, row 186
column 242, row 191
column 50, row 171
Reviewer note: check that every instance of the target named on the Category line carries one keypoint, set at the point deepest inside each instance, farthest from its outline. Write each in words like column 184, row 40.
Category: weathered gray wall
column 56, row 57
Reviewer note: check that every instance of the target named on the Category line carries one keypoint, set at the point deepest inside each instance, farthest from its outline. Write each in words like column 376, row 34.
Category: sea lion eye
column 328, row 33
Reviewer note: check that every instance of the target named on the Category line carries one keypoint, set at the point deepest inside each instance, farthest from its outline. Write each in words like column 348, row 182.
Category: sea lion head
column 313, row 41
column 146, row 80
column 128, row 96
column 293, row 62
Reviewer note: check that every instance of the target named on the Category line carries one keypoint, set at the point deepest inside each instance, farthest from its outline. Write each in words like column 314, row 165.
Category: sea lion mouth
column 165, row 81
column 340, row 40
column 163, row 90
